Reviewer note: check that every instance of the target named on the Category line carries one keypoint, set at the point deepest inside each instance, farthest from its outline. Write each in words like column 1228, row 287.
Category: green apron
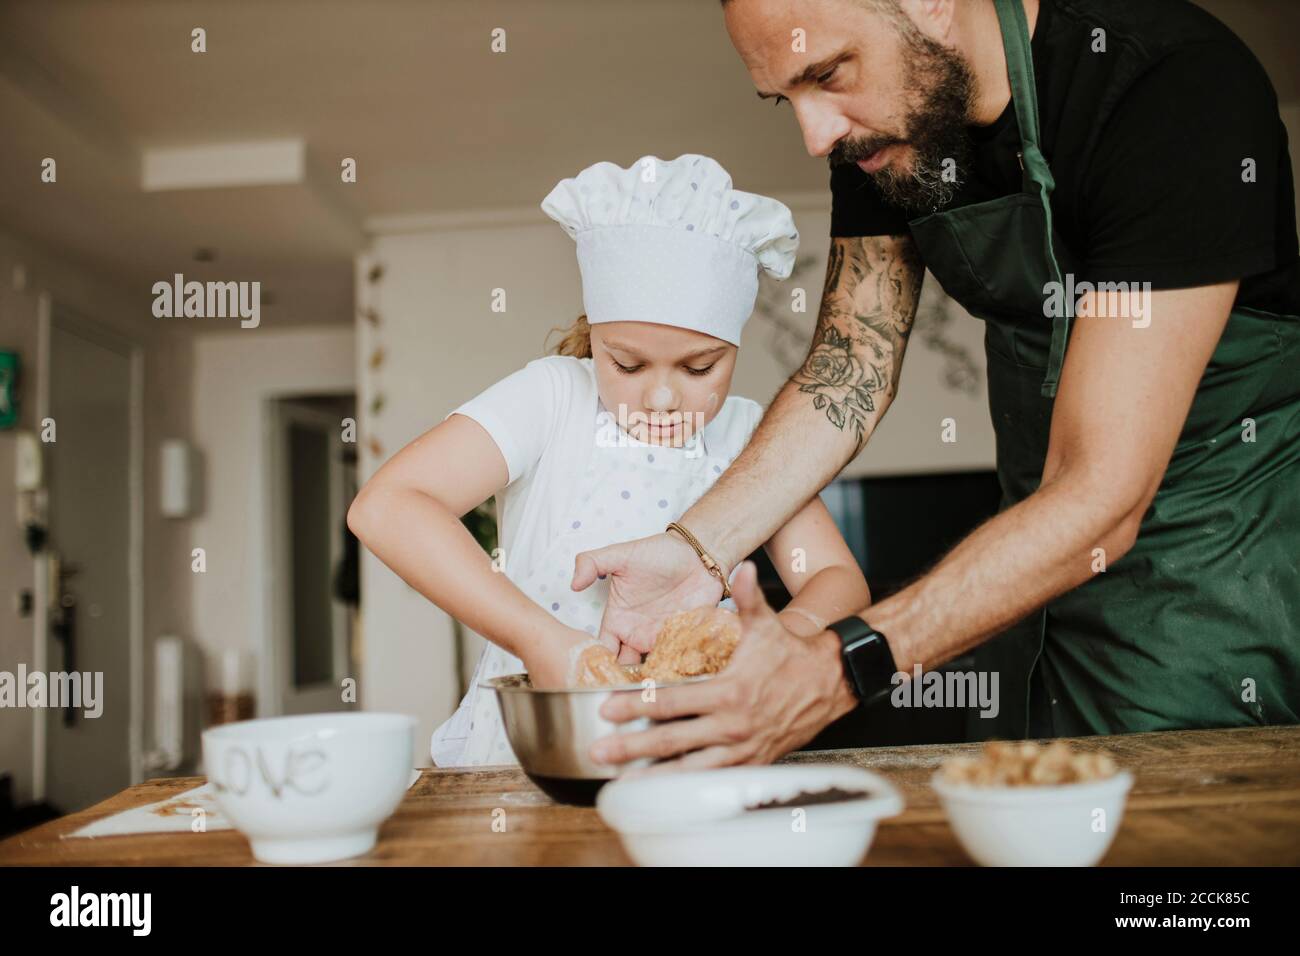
column 1199, row 624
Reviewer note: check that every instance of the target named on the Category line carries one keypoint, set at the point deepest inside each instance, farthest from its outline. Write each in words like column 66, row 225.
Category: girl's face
column 670, row 382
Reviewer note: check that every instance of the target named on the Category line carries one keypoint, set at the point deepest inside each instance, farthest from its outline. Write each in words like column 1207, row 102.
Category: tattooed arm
column 828, row 410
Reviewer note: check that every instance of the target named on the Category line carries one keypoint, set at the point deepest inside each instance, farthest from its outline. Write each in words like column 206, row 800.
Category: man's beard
column 943, row 89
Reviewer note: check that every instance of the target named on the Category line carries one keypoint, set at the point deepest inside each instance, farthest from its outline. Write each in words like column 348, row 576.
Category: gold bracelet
column 710, row 563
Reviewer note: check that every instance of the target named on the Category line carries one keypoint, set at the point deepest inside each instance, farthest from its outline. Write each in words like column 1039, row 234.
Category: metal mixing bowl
column 551, row 733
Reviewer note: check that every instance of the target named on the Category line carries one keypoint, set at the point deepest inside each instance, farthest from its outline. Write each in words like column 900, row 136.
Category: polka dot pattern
column 691, row 192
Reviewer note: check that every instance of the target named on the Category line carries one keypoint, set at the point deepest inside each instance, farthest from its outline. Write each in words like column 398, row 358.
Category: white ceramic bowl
column 1066, row 825
column 311, row 788
column 700, row 818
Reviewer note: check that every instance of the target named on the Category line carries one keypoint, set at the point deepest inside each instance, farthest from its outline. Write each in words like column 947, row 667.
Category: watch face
column 868, row 662
column 853, row 629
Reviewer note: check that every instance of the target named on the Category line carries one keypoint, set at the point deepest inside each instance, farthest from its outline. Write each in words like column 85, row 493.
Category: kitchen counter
column 1205, row 797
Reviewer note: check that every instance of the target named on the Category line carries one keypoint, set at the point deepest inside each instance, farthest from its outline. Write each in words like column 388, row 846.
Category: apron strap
column 1024, row 95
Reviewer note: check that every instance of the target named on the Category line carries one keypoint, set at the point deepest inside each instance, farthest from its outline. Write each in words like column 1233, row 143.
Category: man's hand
column 651, row 578
column 776, row 694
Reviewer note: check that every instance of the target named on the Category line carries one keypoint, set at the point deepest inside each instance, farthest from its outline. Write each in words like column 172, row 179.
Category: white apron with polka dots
column 629, row 491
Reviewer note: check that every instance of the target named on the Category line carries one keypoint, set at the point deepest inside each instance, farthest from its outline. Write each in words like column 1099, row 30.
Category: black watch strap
column 868, row 661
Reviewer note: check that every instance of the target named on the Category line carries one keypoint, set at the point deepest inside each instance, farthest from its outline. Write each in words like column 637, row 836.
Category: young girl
column 609, row 440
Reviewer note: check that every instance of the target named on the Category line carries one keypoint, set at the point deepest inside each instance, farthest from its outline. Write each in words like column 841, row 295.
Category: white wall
column 442, row 344
column 235, row 373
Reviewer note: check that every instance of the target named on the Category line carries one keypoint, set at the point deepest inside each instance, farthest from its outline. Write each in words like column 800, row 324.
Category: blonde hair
column 575, row 340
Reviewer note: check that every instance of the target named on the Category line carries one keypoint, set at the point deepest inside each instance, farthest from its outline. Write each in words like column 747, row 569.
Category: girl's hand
column 573, row 658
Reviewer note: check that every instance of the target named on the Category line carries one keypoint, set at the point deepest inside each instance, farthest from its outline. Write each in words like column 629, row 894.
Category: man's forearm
column 1008, row 567
column 792, row 455
column 828, row 410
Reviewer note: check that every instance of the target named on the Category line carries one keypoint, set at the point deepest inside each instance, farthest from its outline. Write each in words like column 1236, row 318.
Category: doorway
column 89, row 574
column 313, row 554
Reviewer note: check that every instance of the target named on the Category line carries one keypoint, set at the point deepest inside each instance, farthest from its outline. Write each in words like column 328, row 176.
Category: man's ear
column 934, row 18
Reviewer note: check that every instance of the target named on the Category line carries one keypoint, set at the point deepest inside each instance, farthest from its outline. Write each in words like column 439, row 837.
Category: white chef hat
column 669, row 241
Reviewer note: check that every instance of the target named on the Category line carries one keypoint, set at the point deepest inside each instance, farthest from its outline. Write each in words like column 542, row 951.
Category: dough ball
column 692, row 643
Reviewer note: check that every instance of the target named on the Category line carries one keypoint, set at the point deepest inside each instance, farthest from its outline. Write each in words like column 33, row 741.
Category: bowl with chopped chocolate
column 784, row 815
column 551, row 730
column 1025, row 804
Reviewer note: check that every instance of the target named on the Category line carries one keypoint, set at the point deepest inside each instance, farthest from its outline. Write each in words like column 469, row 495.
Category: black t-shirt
column 1146, row 142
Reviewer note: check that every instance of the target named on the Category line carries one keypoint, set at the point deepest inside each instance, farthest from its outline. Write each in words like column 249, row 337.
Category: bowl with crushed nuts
column 1025, row 804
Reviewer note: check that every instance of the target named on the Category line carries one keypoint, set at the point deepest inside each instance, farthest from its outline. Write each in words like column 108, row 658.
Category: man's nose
column 822, row 127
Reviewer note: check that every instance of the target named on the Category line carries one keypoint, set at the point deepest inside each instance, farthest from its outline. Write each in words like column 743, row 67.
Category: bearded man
column 1142, row 572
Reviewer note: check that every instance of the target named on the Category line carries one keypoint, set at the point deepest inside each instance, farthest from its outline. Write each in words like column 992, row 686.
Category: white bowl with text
column 310, row 788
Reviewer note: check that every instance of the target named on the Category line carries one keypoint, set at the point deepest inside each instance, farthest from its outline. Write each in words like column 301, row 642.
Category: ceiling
column 436, row 122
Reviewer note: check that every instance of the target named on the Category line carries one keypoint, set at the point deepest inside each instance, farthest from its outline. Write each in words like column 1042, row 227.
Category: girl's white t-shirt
column 543, row 418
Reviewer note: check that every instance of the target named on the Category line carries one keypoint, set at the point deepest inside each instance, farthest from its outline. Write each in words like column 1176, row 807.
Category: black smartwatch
column 868, row 662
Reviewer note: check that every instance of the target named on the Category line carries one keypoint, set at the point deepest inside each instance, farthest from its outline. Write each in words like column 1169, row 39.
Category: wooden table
column 1221, row 797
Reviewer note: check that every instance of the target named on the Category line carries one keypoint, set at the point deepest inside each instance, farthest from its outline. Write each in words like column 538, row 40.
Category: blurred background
column 377, row 168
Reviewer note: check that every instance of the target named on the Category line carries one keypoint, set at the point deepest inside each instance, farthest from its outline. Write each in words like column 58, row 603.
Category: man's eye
column 778, row 100
column 701, row 371
column 827, row 76
column 626, row 370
